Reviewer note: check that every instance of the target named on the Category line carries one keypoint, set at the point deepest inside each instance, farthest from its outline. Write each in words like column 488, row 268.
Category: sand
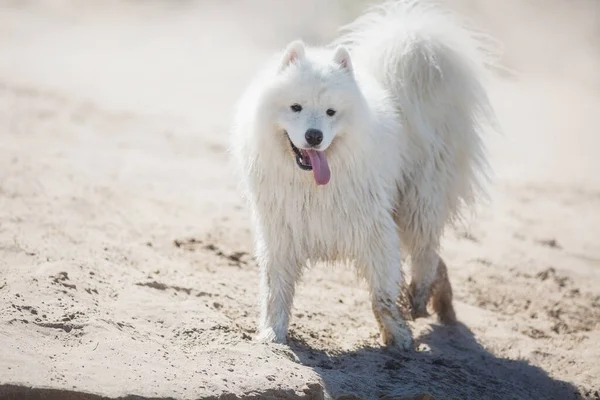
column 125, row 249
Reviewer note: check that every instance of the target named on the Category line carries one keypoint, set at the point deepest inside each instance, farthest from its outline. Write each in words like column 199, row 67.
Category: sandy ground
column 124, row 246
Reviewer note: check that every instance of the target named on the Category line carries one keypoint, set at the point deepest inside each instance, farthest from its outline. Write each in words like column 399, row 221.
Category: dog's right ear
column 342, row 57
column 294, row 52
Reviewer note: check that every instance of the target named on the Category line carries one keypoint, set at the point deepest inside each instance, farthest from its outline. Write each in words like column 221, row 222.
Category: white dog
column 365, row 150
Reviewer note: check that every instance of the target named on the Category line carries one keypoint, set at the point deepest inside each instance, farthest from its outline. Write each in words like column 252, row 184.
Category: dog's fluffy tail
column 434, row 68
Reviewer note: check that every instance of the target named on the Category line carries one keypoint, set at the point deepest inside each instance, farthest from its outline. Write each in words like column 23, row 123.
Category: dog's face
column 312, row 101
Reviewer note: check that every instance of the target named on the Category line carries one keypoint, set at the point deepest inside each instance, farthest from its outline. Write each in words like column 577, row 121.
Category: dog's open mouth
column 312, row 160
column 302, row 158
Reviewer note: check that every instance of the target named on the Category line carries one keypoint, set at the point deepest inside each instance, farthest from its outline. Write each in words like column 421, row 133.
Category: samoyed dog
column 365, row 150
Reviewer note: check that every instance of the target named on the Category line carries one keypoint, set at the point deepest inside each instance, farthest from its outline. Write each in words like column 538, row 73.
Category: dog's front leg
column 381, row 268
column 278, row 283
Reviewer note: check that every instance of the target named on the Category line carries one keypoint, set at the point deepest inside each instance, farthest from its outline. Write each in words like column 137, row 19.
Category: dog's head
column 313, row 101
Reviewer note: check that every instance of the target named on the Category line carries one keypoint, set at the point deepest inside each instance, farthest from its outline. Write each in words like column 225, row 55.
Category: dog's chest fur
column 329, row 222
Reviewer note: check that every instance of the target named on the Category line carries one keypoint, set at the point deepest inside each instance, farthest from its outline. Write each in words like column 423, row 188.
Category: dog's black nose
column 314, row 137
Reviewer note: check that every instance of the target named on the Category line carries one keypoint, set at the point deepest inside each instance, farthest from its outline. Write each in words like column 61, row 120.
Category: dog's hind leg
column 379, row 266
column 430, row 282
column 441, row 295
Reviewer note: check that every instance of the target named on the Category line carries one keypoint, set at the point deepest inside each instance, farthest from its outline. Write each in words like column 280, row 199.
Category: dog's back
column 435, row 69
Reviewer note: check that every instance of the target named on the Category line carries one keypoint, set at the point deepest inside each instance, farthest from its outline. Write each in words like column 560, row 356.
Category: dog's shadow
column 455, row 366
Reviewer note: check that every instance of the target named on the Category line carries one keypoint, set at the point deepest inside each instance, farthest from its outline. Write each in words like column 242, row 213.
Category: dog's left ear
column 342, row 57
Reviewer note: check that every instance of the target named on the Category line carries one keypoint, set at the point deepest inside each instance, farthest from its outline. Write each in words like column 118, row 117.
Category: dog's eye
column 331, row 112
column 296, row 107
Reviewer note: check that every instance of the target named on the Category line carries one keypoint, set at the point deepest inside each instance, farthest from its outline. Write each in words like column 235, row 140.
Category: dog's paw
column 419, row 307
column 419, row 298
column 442, row 305
column 397, row 335
column 269, row 335
column 438, row 293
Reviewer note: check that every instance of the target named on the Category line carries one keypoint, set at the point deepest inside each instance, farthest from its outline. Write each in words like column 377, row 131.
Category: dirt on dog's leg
column 441, row 295
column 423, row 267
column 384, row 277
column 393, row 329
column 430, row 282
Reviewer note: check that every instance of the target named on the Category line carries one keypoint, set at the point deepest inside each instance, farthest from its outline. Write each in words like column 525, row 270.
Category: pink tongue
column 320, row 167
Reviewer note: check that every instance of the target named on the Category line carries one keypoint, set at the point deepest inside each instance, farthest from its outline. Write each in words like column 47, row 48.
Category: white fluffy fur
column 404, row 147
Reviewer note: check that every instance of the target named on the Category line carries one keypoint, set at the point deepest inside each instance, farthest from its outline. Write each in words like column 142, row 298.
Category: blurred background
column 190, row 59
